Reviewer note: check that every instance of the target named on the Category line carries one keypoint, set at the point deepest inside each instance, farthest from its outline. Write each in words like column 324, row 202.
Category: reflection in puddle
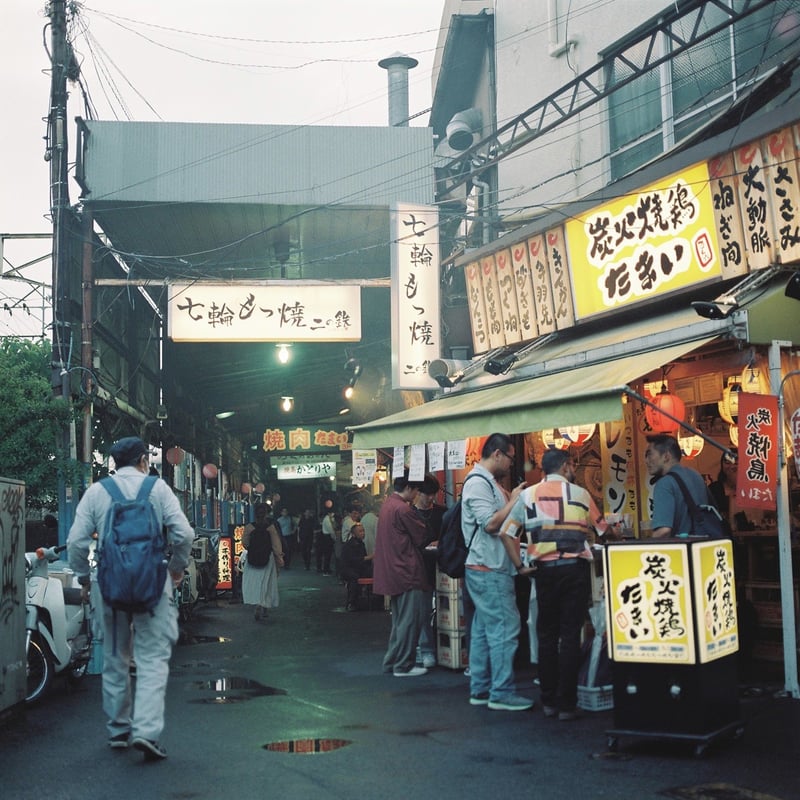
column 307, row 746
column 233, row 690
column 190, row 638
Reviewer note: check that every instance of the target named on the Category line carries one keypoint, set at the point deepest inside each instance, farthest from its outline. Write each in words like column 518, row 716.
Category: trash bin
column 673, row 639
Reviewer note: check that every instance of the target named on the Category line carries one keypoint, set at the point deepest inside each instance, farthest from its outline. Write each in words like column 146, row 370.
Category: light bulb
column 286, row 403
column 283, row 354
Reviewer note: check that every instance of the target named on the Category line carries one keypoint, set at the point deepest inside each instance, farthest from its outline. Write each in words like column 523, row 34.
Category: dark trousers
column 306, row 544
column 324, row 552
column 562, row 593
column 288, row 550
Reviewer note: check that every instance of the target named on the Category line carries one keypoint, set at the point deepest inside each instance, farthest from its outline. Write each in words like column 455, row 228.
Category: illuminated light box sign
column 646, row 244
column 202, row 312
column 416, row 319
column 648, row 604
column 315, row 469
column 305, row 440
column 715, row 599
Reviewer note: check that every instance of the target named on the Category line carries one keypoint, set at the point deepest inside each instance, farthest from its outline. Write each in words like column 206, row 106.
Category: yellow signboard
column 648, row 604
column 715, row 599
column 645, row 244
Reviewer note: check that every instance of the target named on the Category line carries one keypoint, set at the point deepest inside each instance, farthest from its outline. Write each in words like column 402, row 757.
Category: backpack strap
column 689, row 500
column 110, row 485
column 147, row 486
column 491, row 485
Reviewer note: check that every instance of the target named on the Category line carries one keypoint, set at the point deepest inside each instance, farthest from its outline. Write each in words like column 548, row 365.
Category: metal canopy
column 183, row 202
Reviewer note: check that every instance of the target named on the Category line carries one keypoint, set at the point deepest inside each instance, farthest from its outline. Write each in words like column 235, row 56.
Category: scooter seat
column 72, row 597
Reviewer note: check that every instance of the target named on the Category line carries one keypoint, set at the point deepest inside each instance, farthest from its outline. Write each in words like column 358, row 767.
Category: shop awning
column 584, row 394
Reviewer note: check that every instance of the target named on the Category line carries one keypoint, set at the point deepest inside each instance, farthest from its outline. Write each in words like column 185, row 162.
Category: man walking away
column 559, row 516
column 136, row 720
column 489, row 576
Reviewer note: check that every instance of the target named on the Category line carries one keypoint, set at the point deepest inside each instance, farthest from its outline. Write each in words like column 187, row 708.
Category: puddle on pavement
column 190, row 638
column 307, row 746
column 233, row 689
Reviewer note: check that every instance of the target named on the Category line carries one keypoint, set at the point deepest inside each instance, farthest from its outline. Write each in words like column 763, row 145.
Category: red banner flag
column 759, row 428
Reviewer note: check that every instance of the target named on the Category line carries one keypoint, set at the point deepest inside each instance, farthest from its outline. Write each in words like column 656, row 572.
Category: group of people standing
column 559, row 521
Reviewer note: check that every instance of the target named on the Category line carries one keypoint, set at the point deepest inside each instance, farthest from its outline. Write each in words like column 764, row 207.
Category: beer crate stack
column 451, row 650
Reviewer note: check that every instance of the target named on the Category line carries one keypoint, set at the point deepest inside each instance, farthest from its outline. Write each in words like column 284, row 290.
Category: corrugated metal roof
column 259, row 164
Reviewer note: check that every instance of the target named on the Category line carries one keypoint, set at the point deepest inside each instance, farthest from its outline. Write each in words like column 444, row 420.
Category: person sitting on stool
column 355, row 564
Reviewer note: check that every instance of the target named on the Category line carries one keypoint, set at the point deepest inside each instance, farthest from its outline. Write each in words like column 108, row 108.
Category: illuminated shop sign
column 202, row 312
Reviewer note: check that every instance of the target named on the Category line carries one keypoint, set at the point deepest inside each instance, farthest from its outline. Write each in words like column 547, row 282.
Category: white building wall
column 540, row 47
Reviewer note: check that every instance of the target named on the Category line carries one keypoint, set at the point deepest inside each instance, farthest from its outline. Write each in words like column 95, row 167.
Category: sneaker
column 512, row 702
column 549, row 711
column 428, row 660
column 410, row 673
column 153, row 751
column 567, row 716
column 119, row 742
column 481, row 699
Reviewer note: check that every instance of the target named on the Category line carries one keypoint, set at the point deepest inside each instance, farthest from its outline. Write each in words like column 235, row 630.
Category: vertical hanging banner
column 757, row 476
column 399, row 462
column 457, row 454
column 416, row 462
column 416, row 326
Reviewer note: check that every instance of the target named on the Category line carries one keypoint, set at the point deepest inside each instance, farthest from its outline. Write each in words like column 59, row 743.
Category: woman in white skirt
column 262, row 563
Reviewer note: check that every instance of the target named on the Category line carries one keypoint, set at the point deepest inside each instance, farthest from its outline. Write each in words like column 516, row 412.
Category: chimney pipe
column 398, row 65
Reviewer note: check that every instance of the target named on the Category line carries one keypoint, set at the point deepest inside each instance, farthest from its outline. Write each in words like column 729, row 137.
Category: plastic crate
column 596, row 698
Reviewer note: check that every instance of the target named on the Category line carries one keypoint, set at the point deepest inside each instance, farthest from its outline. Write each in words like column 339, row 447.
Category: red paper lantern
column 210, row 471
column 671, row 404
column 175, row 456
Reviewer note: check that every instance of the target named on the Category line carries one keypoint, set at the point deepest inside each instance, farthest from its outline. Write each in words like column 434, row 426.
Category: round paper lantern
column 553, row 442
column 733, row 433
column 175, row 456
column 246, row 488
column 671, row 404
column 691, row 446
column 329, row 504
column 260, row 488
column 729, row 405
column 210, row 471
column 578, row 434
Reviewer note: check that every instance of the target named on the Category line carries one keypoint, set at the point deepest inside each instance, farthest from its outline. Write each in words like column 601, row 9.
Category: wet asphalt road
column 311, row 677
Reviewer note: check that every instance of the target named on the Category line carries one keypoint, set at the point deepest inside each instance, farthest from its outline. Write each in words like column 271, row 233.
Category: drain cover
column 307, row 746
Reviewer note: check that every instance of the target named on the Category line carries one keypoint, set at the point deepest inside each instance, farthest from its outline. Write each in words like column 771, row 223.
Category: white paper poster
column 365, row 462
column 416, row 463
column 436, row 456
column 457, row 454
column 399, row 463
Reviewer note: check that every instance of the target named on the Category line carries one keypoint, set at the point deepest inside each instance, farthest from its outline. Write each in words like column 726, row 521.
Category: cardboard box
column 451, row 651
column 450, row 611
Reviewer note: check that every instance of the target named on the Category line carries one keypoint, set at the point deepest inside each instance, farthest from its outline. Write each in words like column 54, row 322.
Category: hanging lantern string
column 696, row 431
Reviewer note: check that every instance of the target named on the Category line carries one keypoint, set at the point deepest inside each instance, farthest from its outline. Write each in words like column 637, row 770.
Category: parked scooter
column 58, row 636
column 200, row 576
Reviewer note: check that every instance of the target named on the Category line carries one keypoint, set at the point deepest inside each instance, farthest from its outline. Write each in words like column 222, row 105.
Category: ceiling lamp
column 729, row 405
column 691, row 446
column 224, row 414
column 287, row 403
column 578, row 434
column 553, row 442
column 283, row 352
column 668, row 403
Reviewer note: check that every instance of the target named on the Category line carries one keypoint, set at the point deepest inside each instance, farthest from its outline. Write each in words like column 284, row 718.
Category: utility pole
column 56, row 154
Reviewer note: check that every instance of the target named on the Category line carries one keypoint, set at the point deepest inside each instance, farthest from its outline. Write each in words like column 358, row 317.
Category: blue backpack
column 131, row 559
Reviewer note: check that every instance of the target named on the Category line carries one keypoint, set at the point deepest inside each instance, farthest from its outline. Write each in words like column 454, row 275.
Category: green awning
column 573, row 397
